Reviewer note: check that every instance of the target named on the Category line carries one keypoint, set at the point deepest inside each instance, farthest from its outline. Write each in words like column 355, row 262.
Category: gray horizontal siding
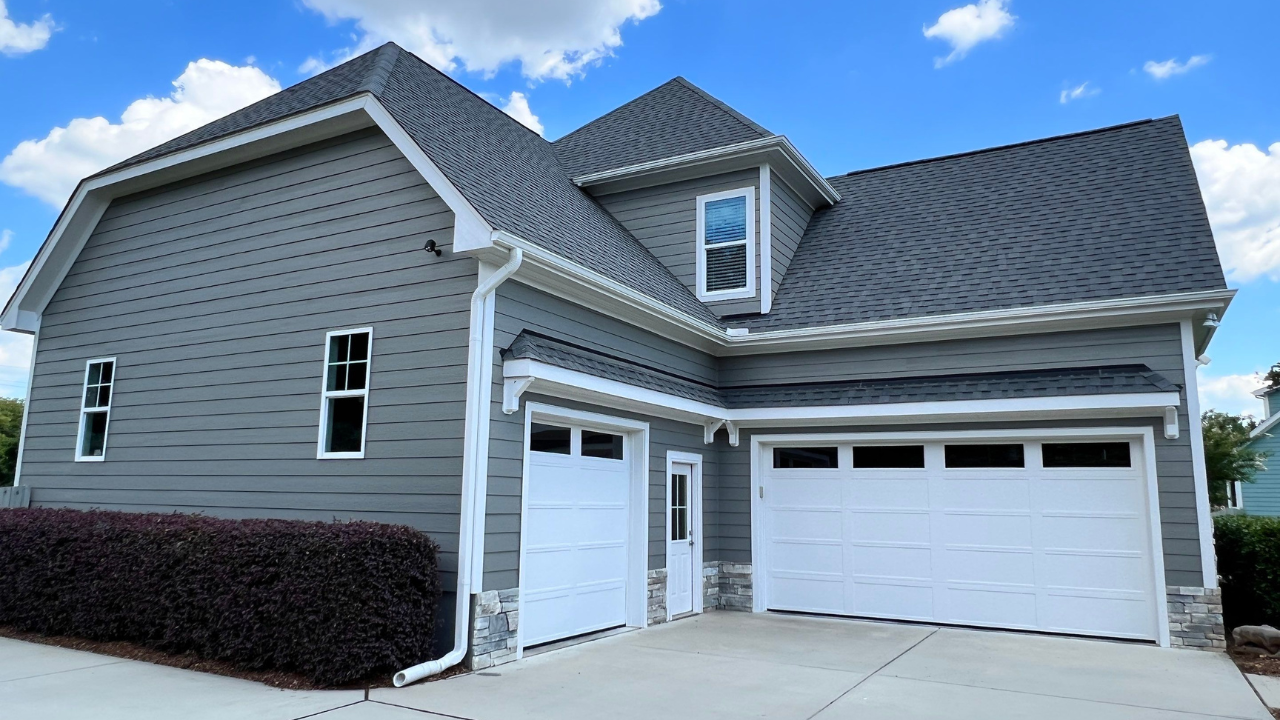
column 789, row 216
column 215, row 296
column 1159, row 347
column 520, row 308
column 1262, row 496
column 664, row 219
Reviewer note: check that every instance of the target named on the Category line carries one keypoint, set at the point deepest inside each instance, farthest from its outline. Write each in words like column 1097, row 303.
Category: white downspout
column 477, row 413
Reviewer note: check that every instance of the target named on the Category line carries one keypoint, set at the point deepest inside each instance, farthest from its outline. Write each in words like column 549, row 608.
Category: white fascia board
column 91, row 197
column 1031, row 319
column 778, row 143
column 559, row 382
column 1265, row 426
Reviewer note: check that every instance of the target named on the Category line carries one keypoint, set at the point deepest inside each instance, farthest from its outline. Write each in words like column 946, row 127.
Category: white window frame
column 326, row 394
column 750, row 243
column 85, row 411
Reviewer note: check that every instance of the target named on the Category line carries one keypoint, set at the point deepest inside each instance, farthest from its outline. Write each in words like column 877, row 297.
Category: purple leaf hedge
column 335, row 602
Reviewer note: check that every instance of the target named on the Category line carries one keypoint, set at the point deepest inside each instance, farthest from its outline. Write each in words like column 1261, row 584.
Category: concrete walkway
column 718, row 665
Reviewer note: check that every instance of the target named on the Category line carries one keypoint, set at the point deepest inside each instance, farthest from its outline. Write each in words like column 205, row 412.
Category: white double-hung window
column 344, row 400
column 726, row 245
column 95, row 410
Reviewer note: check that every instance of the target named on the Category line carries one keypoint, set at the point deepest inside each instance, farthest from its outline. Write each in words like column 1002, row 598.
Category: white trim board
column 570, row 384
column 637, row 452
column 1204, row 520
column 759, row 540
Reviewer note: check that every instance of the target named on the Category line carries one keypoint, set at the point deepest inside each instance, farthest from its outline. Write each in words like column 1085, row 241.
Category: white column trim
column 1204, row 519
column 766, row 240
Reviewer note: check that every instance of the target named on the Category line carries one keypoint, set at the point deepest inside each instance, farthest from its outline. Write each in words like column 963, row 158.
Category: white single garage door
column 1048, row 535
column 575, row 536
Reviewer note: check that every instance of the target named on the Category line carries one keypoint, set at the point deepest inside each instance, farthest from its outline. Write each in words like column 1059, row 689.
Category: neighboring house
column 658, row 366
column 1262, row 496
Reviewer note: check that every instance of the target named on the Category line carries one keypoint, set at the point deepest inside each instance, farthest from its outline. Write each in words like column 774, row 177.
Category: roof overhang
column 93, row 195
column 525, row 375
column 776, row 151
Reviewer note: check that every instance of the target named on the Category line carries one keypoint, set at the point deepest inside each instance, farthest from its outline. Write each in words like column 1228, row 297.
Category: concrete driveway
column 718, row 665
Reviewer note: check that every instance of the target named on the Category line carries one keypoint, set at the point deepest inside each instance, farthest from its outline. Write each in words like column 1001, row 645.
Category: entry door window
column 679, row 506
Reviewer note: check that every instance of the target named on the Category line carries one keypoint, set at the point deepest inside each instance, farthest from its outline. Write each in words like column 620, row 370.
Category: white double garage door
column 1048, row 535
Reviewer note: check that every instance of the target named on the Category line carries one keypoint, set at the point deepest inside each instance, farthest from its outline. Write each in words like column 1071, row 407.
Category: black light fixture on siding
column 432, row 248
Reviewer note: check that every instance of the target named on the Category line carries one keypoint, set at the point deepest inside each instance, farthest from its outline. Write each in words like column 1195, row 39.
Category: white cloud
column 1229, row 393
column 15, row 348
column 517, row 106
column 1241, row 189
column 1080, row 91
column 1171, row 67
column 16, row 39
column 208, row 89
column 965, row 27
column 550, row 39
column 6, row 237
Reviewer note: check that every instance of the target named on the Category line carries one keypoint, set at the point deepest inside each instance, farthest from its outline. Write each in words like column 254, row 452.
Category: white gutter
column 477, row 416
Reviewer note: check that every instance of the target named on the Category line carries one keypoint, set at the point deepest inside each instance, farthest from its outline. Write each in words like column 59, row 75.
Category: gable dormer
column 718, row 199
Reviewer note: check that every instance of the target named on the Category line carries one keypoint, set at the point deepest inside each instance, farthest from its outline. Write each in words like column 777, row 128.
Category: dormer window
column 726, row 245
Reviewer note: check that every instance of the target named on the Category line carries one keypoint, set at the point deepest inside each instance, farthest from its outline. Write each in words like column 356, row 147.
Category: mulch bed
column 130, row 651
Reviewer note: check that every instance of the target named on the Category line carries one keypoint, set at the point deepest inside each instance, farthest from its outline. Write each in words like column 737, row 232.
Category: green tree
column 10, row 432
column 1227, row 458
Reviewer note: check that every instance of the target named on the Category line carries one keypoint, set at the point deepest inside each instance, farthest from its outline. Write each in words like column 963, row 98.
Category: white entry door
column 575, row 534
column 1037, row 534
column 680, row 539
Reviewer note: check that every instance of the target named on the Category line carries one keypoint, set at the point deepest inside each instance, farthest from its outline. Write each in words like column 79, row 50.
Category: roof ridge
column 385, row 64
column 466, row 89
column 722, row 105
column 1008, row 146
column 614, row 111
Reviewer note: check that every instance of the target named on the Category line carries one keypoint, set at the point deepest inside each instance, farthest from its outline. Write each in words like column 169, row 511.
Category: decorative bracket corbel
column 709, row 429
column 512, row 389
column 733, row 432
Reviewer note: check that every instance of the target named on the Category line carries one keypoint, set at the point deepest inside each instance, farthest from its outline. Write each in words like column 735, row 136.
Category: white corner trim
column 576, row 385
column 1204, row 518
column 766, row 240
column 749, row 243
column 91, row 197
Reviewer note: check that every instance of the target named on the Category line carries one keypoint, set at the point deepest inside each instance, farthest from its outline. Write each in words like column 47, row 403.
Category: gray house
column 656, row 367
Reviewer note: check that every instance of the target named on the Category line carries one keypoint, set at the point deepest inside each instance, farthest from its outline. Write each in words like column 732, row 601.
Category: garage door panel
column 893, row 599
column 808, row 491
column 982, row 492
column 1095, row 615
column 1002, row 607
column 1100, row 495
column 886, row 526
column 813, row 593
column 889, row 561
column 813, row 524
column 900, row 491
column 988, row 565
column 1096, row 571
column 791, row 556
column 544, row 525
column 986, row 529
column 1077, row 532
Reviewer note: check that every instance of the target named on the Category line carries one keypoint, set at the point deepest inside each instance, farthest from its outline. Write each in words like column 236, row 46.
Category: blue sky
column 853, row 85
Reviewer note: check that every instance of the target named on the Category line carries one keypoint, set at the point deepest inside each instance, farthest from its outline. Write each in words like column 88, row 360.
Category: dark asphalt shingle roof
column 1057, row 382
column 508, row 173
column 675, row 118
column 1106, row 214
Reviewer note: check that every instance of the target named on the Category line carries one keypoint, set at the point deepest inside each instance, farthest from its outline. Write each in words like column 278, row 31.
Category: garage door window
column 549, row 439
column 805, row 457
column 888, row 456
column 985, row 456
column 601, row 445
column 1095, row 454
